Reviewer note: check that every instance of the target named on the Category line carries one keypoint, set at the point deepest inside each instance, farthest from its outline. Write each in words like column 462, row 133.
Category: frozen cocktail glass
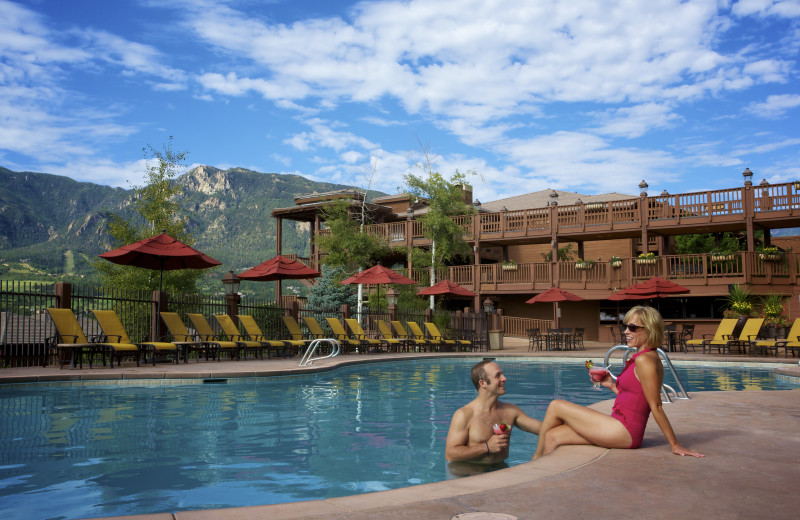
column 597, row 373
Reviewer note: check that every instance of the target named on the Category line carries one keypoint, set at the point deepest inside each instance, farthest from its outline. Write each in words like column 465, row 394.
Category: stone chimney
column 466, row 189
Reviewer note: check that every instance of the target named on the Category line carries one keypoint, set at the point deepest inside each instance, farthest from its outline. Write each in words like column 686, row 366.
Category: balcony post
column 278, row 251
column 749, row 207
column 643, row 214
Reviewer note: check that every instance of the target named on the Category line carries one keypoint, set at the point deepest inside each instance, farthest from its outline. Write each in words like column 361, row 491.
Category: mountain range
column 54, row 226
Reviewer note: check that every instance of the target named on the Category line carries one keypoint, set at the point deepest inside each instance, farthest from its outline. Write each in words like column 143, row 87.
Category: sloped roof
column 540, row 199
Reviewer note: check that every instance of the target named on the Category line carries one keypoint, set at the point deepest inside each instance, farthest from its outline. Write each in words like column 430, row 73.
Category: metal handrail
column 306, row 360
column 666, row 389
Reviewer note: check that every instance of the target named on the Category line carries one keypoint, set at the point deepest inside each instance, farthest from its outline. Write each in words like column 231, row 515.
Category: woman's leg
column 569, row 423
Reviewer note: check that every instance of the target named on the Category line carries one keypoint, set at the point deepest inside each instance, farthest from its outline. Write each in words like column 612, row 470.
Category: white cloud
column 782, row 8
column 635, row 121
column 775, row 106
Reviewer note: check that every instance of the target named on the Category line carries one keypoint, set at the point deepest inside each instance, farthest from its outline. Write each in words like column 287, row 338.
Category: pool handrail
column 665, row 388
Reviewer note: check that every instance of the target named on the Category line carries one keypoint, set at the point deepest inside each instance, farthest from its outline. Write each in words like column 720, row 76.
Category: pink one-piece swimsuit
column 630, row 406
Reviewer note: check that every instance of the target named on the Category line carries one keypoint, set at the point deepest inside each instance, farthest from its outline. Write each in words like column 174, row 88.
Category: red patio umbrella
column 279, row 268
column 448, row 288
column 162, row 253
column 378, row 275
column 555, row 295
column 653, row 288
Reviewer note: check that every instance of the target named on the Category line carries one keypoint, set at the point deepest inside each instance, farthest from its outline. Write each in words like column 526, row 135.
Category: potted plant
column 772, row 312
column 615, row 262
column 770, row 254
column 584, row 264
column 646, row 258
column 738, row 302
column 509, row 265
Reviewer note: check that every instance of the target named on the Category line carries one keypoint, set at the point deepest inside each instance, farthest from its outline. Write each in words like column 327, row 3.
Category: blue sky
column 589, row 96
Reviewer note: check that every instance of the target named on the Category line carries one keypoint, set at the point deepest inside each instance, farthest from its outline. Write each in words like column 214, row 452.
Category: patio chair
column 115, row 334
column 686, row 333
column 724, row 329
column 71, row 339
column 746, row 338
column 577, row 338
column 403, row 334
column 253, row 332
column 206, row 333
column 434, row 334
column 417, row 333
column 183, row 339
column 388, row 336
column 535, row 339
column 257, row 347
column 790, row 342
column 359, row 334
column 342, row 337
column 314, row 328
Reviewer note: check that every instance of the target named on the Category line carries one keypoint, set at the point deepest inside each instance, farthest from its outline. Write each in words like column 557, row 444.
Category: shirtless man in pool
column 471, row 437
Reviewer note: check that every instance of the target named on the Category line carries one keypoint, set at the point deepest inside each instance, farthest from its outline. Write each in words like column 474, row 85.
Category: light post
column 231, row 284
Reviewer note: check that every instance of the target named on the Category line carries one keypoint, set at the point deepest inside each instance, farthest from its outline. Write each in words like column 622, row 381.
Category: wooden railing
column 516, row 326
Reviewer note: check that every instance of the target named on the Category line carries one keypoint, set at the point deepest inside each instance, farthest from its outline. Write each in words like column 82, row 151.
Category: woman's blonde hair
column 651, row 321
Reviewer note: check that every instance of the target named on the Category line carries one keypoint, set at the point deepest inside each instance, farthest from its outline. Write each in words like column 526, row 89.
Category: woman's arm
column 651, row 378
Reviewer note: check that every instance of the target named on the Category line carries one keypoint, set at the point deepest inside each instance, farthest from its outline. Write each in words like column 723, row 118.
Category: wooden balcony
column 704, row 274
column 762, row 207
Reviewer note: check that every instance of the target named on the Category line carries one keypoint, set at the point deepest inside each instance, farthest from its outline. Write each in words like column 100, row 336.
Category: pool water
column 80, row 451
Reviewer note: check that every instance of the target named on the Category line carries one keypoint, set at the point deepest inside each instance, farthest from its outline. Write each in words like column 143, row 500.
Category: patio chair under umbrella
column 160, row 253
column 555, row 295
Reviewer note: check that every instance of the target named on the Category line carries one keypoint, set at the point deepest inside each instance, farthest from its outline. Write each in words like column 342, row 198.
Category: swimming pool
column 86, row 450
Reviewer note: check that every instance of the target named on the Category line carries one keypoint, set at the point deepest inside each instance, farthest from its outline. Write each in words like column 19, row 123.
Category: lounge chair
column 206, row 333
column 295, row 332
column 745, row 340
column 115, row 334
column 287, row 347
column 724, row 329
column 359, row 334
column 232, row 333
column 790, row 342
column 389, row 337
column 71, row 339
column 417, row 333
column 314, row 328
column 402, row 333
column 185, row 340
column 344, row 339
column 433, row 332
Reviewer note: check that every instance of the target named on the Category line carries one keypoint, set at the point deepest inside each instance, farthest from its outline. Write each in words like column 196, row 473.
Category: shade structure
column 160, row 253
column 555, row 295
column 279, row 268
column 447, row 288
column 653, row 288
column 377, row 275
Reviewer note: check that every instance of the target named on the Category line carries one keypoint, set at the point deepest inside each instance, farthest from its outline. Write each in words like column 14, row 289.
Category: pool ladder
column 666, row 390
column 306, row 360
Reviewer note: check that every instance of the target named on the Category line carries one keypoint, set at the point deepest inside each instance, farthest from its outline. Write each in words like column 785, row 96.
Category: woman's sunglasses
column 633, row 328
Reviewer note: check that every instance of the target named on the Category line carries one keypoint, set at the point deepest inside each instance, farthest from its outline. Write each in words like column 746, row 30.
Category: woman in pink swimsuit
column 638, row 390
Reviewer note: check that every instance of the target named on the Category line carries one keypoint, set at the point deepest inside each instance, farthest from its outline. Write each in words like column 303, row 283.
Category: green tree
column 329, row 292
column 347, row 245
column 156, row 204
column 706, row 243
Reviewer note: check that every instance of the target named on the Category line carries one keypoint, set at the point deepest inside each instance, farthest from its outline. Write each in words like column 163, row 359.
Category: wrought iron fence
column 25, row 327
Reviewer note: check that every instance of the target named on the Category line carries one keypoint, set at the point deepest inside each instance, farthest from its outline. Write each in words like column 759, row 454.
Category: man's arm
column 456, row 448
column 524, row 422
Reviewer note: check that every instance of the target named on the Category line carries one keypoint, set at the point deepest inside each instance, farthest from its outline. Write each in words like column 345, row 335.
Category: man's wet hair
column 479, row 372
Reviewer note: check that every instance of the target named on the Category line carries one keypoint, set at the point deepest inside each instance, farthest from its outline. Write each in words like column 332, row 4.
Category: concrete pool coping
column 750, row 439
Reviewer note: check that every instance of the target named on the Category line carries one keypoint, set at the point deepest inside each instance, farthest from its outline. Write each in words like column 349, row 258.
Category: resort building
column 596, row 245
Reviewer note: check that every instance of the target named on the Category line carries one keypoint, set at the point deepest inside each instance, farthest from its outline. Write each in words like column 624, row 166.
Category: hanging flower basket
column 583, row 265
column 645, row 261
column 509, row 268
column 770, row 257
column 722, row 257
column 616, row 264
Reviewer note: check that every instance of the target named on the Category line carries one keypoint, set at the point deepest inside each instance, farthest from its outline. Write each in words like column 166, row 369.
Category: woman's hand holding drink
column 596, row 373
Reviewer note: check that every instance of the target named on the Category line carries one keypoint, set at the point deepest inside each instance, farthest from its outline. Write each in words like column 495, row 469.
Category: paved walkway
column 750, row 438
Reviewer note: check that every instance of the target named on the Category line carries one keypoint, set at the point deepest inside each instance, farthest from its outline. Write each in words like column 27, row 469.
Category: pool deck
column 751, row 441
